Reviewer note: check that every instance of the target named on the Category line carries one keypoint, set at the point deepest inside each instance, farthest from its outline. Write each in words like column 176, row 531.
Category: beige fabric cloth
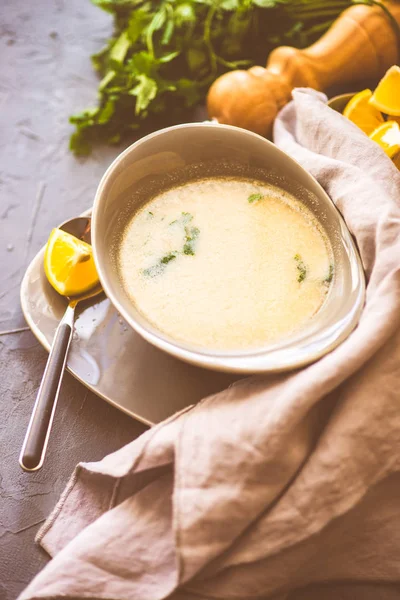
column 279, row 481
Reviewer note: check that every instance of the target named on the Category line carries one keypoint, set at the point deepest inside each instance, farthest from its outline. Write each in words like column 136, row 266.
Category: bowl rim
column 340, row 98
column 261, row 360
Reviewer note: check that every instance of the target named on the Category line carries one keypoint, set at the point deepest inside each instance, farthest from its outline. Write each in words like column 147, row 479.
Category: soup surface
column 225, row 264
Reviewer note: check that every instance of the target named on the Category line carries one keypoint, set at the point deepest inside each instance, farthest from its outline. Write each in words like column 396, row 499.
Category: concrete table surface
column 46, row 75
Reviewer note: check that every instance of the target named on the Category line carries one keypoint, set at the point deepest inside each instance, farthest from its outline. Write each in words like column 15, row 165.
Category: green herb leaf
column 184, row 14
column 99, row 59
column 154, row 270
column 229, row 4
column 168, row 57
column 79, row 145
column 114, row 5
column 106, row 112
column 165, row 54
column 329, row 277
column 191, row 235
column 138, row 21
column 158, row 20
column 108, row 77
column 265, row 3
column 156, row 23
column 86, row 116
column 142, row 63
column 119, row 49
column 186, row 217
column 301, row 268
column 145, row 92
column 159, row 267
column 254, row 198
column 167, row 34
column 168, row 257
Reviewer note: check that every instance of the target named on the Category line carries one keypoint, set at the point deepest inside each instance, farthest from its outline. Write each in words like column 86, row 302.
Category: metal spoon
column 37, row 436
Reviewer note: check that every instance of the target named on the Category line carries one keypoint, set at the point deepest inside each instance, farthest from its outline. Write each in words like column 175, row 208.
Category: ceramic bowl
column 340, row 102
column 183, row 152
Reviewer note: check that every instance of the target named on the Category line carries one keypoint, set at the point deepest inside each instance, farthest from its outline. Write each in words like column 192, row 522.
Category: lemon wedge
column 362, row 113
column 386, row 97
column 69, row 264
column 388, row 137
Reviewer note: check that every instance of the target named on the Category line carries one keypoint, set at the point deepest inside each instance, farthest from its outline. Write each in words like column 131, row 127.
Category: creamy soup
column 225, row 263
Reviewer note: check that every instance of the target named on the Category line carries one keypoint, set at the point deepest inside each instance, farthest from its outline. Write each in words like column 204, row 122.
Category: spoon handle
column 37, row 436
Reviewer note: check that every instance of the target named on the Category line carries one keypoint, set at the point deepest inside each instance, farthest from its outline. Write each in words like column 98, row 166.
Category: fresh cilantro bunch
column 165, row 54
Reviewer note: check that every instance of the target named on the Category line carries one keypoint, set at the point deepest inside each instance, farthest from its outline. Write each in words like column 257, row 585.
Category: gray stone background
column 45, row 75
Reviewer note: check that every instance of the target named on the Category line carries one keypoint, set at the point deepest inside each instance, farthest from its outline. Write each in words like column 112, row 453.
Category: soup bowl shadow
column 186, row 152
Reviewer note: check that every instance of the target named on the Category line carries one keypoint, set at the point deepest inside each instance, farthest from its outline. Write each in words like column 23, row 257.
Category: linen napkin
column 279, row 481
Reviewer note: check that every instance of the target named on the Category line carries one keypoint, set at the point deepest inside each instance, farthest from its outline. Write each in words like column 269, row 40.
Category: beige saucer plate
column 111, row 359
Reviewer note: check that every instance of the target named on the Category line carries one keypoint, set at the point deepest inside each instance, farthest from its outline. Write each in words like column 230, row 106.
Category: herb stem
column 233, row 64
column 165, row 54
column 301, row 268
column 149, row 41
column 207, row 39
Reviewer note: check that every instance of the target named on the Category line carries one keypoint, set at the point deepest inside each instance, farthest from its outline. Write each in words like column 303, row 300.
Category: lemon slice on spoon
column 69, row 264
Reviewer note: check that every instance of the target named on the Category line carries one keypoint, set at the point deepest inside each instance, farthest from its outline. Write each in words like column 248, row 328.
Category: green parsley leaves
column 301, row 268
column 254, row 198
column 189, row 243
column 165, row 54
column 191, row 235
column 329, row 277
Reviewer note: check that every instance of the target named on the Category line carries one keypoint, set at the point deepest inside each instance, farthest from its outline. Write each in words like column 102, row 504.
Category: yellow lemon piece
column 388, row 137
column 362, row 114
column 386, row 97
column 397, row 119
column 69, row 264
